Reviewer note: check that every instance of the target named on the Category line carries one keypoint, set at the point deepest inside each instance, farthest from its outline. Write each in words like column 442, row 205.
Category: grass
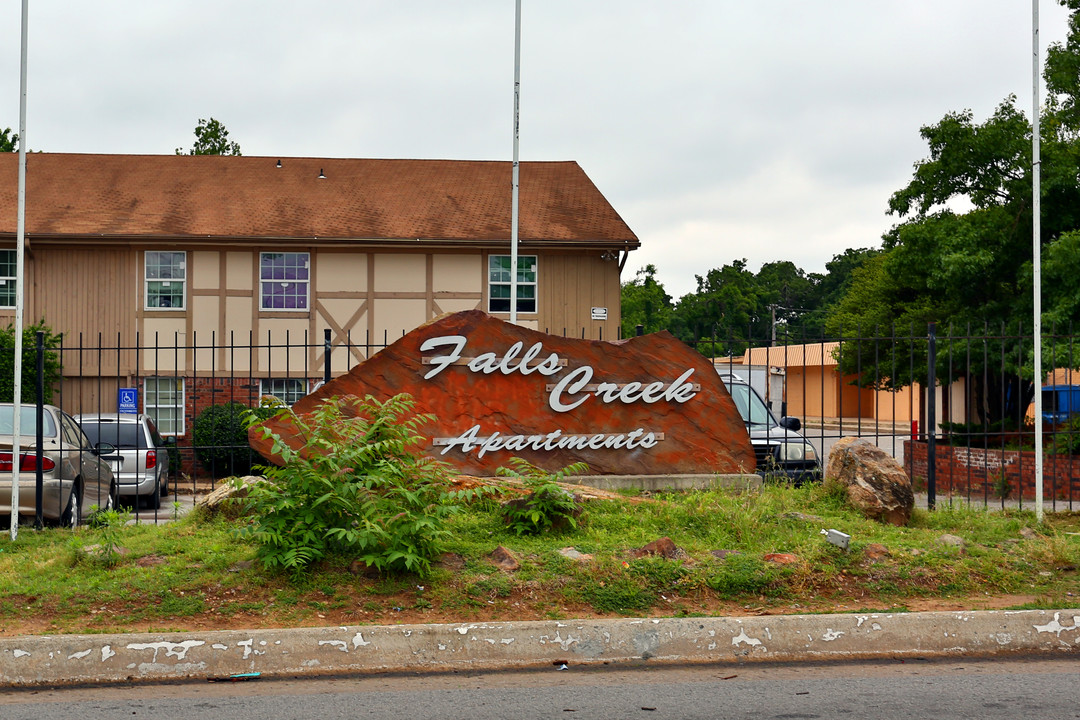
column 195, row 573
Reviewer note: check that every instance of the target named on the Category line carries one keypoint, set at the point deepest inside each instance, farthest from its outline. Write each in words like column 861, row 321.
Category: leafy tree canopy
column 9, row 141
column 211, row 138
column 28, row 381
column 961, row 253
column 645, row 303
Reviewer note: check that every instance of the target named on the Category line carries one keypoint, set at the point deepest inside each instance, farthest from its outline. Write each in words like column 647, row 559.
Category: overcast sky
column 718, row 129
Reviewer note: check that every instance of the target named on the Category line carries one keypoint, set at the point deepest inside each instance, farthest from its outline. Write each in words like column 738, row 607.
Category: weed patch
column 195, row 572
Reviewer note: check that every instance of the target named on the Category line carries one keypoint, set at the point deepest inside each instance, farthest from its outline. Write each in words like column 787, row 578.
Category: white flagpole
column 1036, row 245
column 514, row 179
column 20, row 239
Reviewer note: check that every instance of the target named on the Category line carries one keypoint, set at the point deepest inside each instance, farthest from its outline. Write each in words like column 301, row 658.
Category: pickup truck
column 781, row 451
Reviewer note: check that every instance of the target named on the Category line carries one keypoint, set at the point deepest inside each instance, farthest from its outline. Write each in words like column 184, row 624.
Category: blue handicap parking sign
column 127, row 400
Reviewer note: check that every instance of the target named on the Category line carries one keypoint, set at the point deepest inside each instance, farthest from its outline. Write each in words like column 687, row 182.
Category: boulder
column 488, row 391
column 875, row 483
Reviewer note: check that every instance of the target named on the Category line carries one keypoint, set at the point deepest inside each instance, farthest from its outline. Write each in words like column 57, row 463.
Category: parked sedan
column 141, row 460
column 74, row 477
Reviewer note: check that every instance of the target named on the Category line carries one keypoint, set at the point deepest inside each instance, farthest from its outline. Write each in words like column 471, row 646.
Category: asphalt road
column 899, row 690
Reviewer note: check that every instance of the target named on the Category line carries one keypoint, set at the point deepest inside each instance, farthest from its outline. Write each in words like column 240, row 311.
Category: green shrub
column 548, row 506
column 29, row 363
column 1066, row 439
column 359, row 487
column 221, row 440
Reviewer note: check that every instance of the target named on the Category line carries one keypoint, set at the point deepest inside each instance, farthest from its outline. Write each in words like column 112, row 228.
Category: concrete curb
column 71, row 659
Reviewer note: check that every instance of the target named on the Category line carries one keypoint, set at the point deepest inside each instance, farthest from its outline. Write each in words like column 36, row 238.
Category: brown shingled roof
column 182, row 196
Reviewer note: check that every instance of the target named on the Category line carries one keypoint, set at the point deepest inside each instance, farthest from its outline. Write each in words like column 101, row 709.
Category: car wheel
column 165, row 485
column 70, row 517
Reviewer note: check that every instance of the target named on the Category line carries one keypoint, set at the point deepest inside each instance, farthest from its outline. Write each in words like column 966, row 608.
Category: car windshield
column 122, row 435
column 28, row 422
column 750, row 405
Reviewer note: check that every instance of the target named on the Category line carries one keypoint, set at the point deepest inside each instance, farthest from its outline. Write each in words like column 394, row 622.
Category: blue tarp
column 1060, row 402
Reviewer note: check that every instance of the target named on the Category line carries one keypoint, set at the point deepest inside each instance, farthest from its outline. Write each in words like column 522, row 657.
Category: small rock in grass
column 952, row 541
column 572, row 554
column 664, row 547
column 504, row 559
column 876, row 551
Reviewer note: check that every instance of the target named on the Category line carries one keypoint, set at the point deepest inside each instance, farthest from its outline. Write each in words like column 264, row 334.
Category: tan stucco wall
column 400, row 273
column 341, row 271
column 170, row 332
column 280, row 361
column 458, row 273
column 240, row 269
column 393, row 316
column 204, row 269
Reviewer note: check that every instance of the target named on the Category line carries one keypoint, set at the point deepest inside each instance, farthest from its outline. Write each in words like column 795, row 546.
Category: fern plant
column 357, row 486
column 547, row 506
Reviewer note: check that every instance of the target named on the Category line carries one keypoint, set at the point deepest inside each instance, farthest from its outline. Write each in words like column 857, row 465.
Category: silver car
column 141, row 460
column 74, row 477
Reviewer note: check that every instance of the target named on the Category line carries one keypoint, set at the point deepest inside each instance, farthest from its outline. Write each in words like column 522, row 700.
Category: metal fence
column 952, row 407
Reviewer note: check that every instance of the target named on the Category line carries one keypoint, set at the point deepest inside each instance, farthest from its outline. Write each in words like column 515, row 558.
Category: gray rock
column 573, row 554
column 952, row 541
column 802, row 516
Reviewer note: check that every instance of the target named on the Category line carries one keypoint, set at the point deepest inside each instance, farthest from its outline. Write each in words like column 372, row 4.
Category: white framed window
column 164, row 402
column 499, row 284
column 283, row 280
column 8, row 261
column 166, row 279
column 287, row 390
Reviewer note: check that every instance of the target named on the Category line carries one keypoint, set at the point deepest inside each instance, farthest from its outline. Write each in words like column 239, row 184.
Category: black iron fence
column 953, row 408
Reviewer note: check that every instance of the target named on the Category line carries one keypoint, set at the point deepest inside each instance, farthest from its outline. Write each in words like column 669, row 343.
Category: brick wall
column 974, row 471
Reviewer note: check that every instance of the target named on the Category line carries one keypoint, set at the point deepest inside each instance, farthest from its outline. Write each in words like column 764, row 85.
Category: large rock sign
column 644, row 406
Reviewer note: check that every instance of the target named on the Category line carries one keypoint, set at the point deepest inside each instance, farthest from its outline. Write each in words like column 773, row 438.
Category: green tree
column 9, row 141
column 211, row 138
column 830, row 287
column 785, row 292
column 725, row 314
column 645, row 303
column 972, row 269
column 29, row 363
